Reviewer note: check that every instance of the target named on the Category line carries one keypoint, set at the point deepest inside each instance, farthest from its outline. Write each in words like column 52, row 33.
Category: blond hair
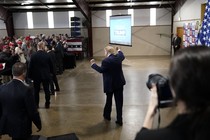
column 110, row 49
column 41, row 45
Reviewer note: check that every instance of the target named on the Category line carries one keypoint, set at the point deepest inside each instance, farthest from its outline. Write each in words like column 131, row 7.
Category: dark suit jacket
column 17, row 109
column 53, row 59
column 40, row 66
column 59, row 50
column 111, row 68
column 177, row 42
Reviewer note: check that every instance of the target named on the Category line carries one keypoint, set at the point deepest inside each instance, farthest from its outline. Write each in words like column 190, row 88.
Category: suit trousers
column 118, row 96
column 46, row 86
column 53, row 81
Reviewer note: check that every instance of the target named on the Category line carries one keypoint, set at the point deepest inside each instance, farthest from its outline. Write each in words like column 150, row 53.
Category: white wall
column 40, row 21
column 98, row 19
column 20, row 20
column 146, row 40
column 2, row 25
column 189, row 12
column 141, row 17
column 25, row 32
column 61, row 19
column 3, row 31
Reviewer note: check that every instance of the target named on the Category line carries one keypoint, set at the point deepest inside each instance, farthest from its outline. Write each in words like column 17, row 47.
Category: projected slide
column 120, row 30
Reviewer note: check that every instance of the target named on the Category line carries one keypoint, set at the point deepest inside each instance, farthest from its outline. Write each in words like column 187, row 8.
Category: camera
column 165, row 97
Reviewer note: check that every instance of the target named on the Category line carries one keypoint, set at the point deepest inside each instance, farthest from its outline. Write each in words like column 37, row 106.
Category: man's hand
column 92, row 61
column 39, row 128
column 118, row 48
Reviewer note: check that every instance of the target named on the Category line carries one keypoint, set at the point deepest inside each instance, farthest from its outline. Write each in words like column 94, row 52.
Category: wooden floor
column 78, row 107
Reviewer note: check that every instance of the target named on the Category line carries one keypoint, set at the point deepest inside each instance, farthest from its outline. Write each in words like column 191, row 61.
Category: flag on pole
column 204, row 33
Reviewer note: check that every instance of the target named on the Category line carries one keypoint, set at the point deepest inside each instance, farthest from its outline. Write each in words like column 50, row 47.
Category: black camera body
column 165, row 97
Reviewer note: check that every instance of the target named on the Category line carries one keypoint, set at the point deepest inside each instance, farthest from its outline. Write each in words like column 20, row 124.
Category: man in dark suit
column 59, row 53
column 40, row 71
column 54, row 79
column 17, row 106
column 176, row 42
column 113, row 80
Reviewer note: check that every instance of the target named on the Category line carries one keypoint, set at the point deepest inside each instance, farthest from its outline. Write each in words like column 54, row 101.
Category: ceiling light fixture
column 109, row 4
column 71, row 6
column 28, row 7
column 50, row 1
column 27, row 2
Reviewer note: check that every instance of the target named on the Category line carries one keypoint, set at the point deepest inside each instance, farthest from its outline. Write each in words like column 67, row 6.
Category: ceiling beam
column 133, row 7
column 84, row 8
column 136, row 1
column 44, row 10
column 37, row 4
column 178, row 5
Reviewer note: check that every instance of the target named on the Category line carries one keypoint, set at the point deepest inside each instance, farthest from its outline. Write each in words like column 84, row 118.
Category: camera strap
column 159, row 118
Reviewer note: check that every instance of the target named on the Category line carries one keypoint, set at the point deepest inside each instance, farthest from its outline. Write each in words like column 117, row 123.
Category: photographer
column 189, row 76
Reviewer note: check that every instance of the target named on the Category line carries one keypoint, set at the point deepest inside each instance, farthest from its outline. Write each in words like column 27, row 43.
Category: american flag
column 204, row 33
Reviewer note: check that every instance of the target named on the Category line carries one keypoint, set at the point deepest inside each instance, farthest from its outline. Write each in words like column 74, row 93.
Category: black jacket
column 184, row 127
column 40, row 66
column 17, row 110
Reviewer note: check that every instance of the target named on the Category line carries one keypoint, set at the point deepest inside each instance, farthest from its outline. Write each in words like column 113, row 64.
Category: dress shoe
column 120, row 123
column 57, row 89
column 47, row 106
column 107, row 118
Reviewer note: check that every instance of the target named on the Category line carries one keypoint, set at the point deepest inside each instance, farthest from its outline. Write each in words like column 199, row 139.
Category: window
column 108, row 14
column 152, row 16
column 130, row 11
column 30, row 20
column 50, row 20
column 50, row 1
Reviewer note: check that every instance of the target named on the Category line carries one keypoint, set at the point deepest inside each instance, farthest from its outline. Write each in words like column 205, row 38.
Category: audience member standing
column 41, row 70
column 17, row 106
column 54, row 77
column 113, row 80
column 9, row 59
column 27, row 49
column 59, row 52
column 19, row 52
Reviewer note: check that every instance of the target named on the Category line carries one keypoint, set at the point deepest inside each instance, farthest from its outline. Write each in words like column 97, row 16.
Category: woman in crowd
column 189, row 77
